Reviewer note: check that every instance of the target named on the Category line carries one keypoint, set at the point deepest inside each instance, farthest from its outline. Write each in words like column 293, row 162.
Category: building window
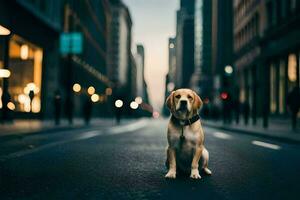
column 26, row 75
column 282, row 87
column 273, row 93
column 292, row 71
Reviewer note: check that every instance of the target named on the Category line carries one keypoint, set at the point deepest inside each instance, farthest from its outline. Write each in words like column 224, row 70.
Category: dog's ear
column 169, row 100
column 197, row 102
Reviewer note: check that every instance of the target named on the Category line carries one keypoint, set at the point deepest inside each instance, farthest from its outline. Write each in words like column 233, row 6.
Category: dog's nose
column 183, row 103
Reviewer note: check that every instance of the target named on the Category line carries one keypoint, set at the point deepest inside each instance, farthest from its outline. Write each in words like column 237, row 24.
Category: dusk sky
column 154, row 21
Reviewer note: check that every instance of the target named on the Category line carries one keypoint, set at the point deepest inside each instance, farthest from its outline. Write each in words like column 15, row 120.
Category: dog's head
column 183, row 103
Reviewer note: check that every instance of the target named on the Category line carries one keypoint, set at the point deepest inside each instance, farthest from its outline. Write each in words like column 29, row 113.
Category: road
column 127, row 162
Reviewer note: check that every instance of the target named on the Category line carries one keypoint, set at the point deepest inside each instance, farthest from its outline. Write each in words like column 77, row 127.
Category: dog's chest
column 184, row 139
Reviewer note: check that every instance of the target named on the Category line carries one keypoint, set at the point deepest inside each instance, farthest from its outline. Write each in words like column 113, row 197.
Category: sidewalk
column 25, row 127
column 278, row 129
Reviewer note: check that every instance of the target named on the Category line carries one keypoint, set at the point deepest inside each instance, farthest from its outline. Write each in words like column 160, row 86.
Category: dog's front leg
column 195, row 163
column 172, row 163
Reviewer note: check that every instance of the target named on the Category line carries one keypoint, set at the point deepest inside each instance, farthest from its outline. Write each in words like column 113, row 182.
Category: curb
column 258, row 134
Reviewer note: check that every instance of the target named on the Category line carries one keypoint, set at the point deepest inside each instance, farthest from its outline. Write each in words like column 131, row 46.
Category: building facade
column 202, row 77
column 120, row 60
column 39, row 72
column 266, row 47
column 185, row 43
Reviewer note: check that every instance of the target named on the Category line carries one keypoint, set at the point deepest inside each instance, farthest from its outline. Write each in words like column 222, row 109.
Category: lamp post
column 5, row 33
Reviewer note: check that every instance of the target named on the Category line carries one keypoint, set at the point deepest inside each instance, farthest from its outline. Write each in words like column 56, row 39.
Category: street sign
column 71, row 43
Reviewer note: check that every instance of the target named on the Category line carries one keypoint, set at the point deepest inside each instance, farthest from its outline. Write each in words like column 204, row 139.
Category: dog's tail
column 205, row 156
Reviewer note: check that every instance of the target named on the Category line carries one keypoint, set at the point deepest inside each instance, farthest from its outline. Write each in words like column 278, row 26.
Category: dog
column 185, row 135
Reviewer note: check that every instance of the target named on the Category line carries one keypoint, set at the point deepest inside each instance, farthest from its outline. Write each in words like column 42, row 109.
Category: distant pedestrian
column 246, row 111
column 87, row 110
column 293, row 103
column 57, row 107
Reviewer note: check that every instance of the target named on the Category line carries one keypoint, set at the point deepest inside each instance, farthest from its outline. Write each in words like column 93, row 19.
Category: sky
column 154, row 21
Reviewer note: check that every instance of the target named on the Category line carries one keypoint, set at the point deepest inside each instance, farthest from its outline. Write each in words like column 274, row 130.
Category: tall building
column 222, row 47
column 266, row 47
column 140, row 65
column 120, row 48
column 39, row 71
column 202, row 76
column 185, row 43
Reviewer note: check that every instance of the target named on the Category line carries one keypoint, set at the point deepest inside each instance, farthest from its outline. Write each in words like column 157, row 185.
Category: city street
column 128, row 162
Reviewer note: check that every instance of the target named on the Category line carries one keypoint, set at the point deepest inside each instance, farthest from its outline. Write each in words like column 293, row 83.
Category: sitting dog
column 185, row 135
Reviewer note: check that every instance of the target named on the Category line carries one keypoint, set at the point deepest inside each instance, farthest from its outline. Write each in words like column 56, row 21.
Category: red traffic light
column 224, row 95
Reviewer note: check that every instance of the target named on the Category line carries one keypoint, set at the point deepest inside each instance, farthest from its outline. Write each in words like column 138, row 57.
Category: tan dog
column 185, row 135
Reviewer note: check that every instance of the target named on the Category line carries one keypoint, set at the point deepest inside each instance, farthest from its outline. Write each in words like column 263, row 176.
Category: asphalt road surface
column 127, row 162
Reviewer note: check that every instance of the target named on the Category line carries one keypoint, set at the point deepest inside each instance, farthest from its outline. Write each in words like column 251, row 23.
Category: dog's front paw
column 171, row 174
column 195, row 174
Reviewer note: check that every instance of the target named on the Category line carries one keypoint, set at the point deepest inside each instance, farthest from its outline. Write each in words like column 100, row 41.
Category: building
column 122, row 65
column 39, row 71
column 266, row 48
column 185, row 43
column 140, row 65
column 222, row 47
column 202, row 76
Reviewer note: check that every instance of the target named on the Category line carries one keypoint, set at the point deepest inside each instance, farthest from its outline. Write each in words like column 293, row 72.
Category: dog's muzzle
column 183, row 105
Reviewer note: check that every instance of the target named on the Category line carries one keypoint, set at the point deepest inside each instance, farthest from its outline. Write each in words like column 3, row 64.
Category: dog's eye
column 190, row 97
column 177, row 96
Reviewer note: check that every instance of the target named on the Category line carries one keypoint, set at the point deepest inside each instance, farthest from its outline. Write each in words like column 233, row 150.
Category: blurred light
column 101, row 98
column 0, row 97
column 31, row 87
column 155, row 114
column 118, row 103
column 76, row 87
column 22, row 98
column 95, row 98
column 24, row 52
column 36, row 105
column 134, row 105
column 91, row 90
column 172, row 46
column 11, row 106
column 292, row 67
column 228, row 69
column 4, row 73
column 206, row 100
column 4, row 31
column 108, row 91
column 170, row 87
column 224, row 95
column 138, row 100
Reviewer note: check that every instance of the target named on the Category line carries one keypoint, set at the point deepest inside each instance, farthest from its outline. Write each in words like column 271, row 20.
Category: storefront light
column 95, row 98
column 4, row 73
column 108, row 91
column 76, row 87
column 11, row 106
column 138, row 100
column 4, row 31
column 24, row 52
column 91, row 90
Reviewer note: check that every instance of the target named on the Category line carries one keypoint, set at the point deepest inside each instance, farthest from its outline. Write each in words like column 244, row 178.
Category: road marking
column 222, row 135
column 266, row 145
column 86, row 135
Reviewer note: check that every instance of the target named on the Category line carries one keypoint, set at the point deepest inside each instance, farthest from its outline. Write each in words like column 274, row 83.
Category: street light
column 134, row 105
column 4, row 73
column 4, row 31
column 138, row 100
column 91, row 90
column 118, row 103
column 95, row 98
column 228, row 69
column 76, row 87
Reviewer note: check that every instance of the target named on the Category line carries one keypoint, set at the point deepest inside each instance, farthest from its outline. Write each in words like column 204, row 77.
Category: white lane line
column 86, row 135
column 222, row 135
column 266, row 145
